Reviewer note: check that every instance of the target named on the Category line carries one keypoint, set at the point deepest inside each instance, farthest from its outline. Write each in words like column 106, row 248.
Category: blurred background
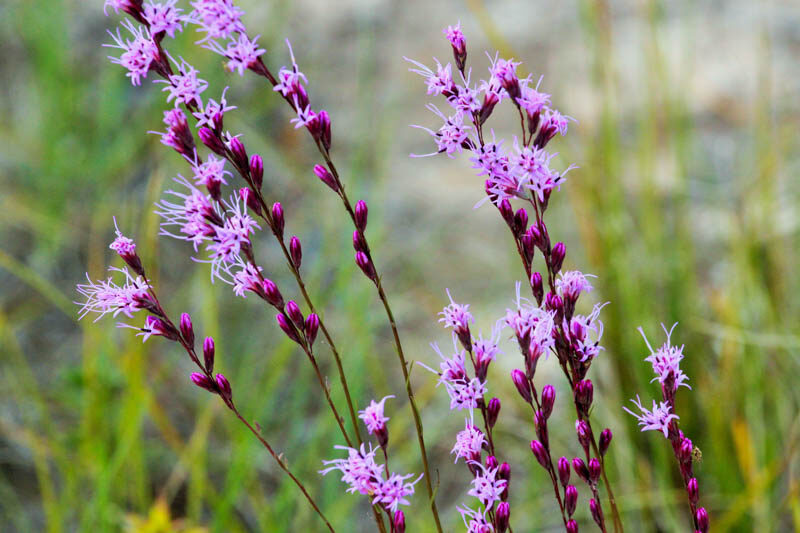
column 686, row 206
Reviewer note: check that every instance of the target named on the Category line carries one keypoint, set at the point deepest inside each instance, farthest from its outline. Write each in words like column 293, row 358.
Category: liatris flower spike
column 662, row 418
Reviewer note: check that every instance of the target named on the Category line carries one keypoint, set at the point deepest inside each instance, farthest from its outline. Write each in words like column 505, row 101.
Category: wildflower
column 153, row 326
column 305, row 117
column 458, row 317
column 248, row 279
column 465, row 394
column 393, row 492
column 289, row 80
column 359, row 470
column 131, row 7
column 138, row 53
column 475, row 521
column 219, row 19
column 656, row 419
column 105, row 296
column 532, row 325
column 486, row 487
column 571, row 283
column 164, row 17
column 373, row 416
column 242, row 52
column 452, row 135
column 440, row 82
column 452, row 368
column 184, row 86
column 532, row 101
column 195, row 216
column 459, row 44
column 666, row 362
column 233, row 236
column 178, row 135
column 469, row 443
column 586, row 333
column 212, row 114
column 211, row 174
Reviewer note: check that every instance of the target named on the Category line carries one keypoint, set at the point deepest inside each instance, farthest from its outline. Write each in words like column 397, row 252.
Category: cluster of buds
column 363, row 257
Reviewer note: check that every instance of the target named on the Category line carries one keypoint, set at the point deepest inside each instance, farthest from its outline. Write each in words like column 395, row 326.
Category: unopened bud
column 605, row 441
column 202, row 381
column 501, row 517
column 399, row 522
column 312, row 326
column 208, row 354
column 296, row 252
column 224, row 386
column 361, row 215
column 548, row 399
column 187, row 330
column 572, row 526
column 521, row 382
column 326, row 177
column 210, row 139
column 521, row 221
column 702, row 520
column 538, row 288
column 581, row 469
column 570, row 499
column 584, row 433
column 563, row 471
column 287, row 327
column 540, row 453
column 597, row 513
column 293, row 310
column 594, row 469
column 693, row 490
column 272, row 293
column 492, row 410
column 365, row 265
column 557, row 256
column 257, row 170
column 278, row 221
column 238, row 151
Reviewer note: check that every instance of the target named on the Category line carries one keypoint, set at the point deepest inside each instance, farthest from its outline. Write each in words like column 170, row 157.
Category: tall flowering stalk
column 523, row 173
column 661, row 417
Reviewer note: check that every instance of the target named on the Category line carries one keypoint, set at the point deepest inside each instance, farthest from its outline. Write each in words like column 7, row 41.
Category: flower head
column 138, row 52
column 666, row 362
column 392, row 493
column 456, row 38
column 359, row 470
column 475, row 521
column 469, row 443
column 219, row 19
column 571, row 283
column 184, row 86
column 373, row 416
column 163, row 17
column 486, row 487
column 456, row 316
column 211, row 115
column 242, row 52
column 452, row 135
column 290, row 80
column 656, row 419
column 105, row 296
column 211, row 173
column 586, row 333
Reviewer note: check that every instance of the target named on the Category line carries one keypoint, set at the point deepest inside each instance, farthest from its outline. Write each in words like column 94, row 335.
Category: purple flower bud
column 492, row 410
column 278, row 222
column 605, row 441
column 287, row 327
column 581, row 469
column 541, row 428
column 504, row 472
column 325, row 128
column 507, row 212
column 156, row 326
column 540, row 453
column 557, row 256
column 187, row 331
column 312, row 326
column 359, row 244
column 459, row 45
column 490, row 100
column 208, row 354
column 202, row 381
column 686, row 450
column 502, row 516
column 239, row 153
column 224, row 387
column 570, row 499
column 326, row 177
column 399, row 522
column 520, row 221
column 597, row 513
column 553, row 302
column 210, row 139
column 584, row 394
column 293, row 310
column 563, row 471
column 572, row 526
column 272, row 294
column 296, row 252
column 536, row 285
column 491, row 462
column 365, row 265
column 250, row 200
column 257, row 170
column 693, row 490
column 584, row 433
column 521, row 382
column 594, row 469
column 361, row 215
column 528, row 247
column 548, row 399
column 702, row 520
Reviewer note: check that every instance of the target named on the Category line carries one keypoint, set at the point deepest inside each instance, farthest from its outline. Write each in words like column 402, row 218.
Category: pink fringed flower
column 242, row 52
column 469, row 443
column 138, row 53
column 219, row 19
column 393, row 492
column 666, row 362
column 184, row 86
column 105, row 296
column 475, row 521
column 359, row 470
column 373, row 416
column 486, row 486
column 655, row 419
column 163, row 17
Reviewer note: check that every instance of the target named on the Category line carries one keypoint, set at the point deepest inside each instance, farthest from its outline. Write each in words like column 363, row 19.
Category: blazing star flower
column 373, row 416
column 164, row 17
column 124, row 246
column 184, row 86
column 531, row 100
column 475, row 521
column 466, row 100
column 233, row 235
column 450, row 136
column 532, row 325
column 177, row 135
column 469, row 443
column 571, row 284
column 586, row 333
column 486, row 350
column 152, row 326
column 556, row 122
column 440, row 82
column 392, row 493
column 138, row 53
column 666, row 361
column 105, row 296
column 219, row 19
column 248, row 279
column 456, row 38
column 452, row 368
column 305, row 117
column 195, row 216
column 242, row 52
column 657, row 419
column 465, row 394
column 289, row 80
column 486, row 487
column 210, row 173
column 456, row 316
column 359, row 470
column 208, row 115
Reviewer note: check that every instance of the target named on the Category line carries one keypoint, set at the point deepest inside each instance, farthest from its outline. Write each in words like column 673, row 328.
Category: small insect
column 697, row 455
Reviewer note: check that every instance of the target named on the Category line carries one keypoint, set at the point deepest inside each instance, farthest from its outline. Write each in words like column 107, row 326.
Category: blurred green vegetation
column 685, row 206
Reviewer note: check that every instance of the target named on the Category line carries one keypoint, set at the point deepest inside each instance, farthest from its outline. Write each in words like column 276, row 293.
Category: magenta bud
column 594, row 469
column 278, row 222
column 224, row 386
column 210, row 139
column 312, row 326
column 584, row 433
column 553, row 302
column 504, row 472
column 272, row 293
column 492, row 410
column 293, row 310
column 326, row 177
column 507, row 212
column 557, row 256
column 296, row 252
column 541, row 427
column 239, row 153
column 491, row 462
column 501, row 517
column 541, row 454
column 528, row 247
column 187, row 331
column 399, row 522
column 359, row 244
column 538, row 288
column 287, row 327
column 521, row 221
column 208, row 354
column 605, row 441
column 325, row 128
column 570, row 499
column 693, row 490
column 584, row 394
column 572, row 526
column 361, row 215
column 257, row 170
column 597, row 513
column 365, row 265
column 686, row 450
column 548, row 399
column 521, row 382
column 202, row 381
column 249, row 198
column 702, row 520
column 563, row 471
column 581, row 469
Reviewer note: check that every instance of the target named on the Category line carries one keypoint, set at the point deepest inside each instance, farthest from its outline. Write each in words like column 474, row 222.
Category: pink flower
column 211, row 173
column 184, row 86
column 440, row 82
column 248, row 279
column 532, row 101
column 464, row 394
column 571, row 284
column 392, row 493
column 456, row 316
column 666, row 362
column 656, row 419
column 456, row 38
column 194, row 215
column 138, row 53
column 219, row 19
column 475, row 521
column 105, row 296
column 373, row 416
column 163, row 17
column 451, row 135
column 469, row 443
column 289, row 80
column 359, row 470
column 213, row 112
column 586, row 333
column 242, row 52
column 486, row 487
